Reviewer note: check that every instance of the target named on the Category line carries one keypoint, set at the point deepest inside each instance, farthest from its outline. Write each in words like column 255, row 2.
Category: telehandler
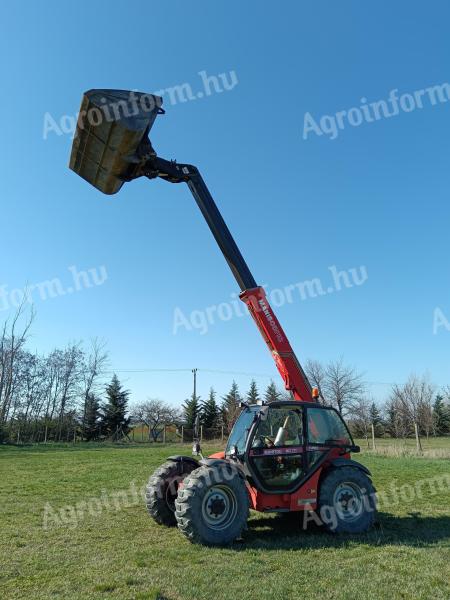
column 285, row 456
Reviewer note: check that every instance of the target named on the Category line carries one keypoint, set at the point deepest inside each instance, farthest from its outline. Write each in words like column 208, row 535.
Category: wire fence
column 175, row 434
column 139, row 434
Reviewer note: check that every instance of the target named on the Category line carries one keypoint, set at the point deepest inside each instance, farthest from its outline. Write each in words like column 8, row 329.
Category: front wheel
column 347, row 501
column 212, row 506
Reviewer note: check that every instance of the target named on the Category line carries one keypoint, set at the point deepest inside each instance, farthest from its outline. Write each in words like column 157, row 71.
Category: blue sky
column 374, row 197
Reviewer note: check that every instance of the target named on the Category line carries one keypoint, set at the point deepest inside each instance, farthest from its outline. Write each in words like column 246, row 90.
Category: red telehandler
column 286, row 456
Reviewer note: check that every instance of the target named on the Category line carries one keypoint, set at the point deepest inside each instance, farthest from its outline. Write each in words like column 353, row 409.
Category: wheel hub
column 348, row 501
column 219, row 507
column 216, row 507
column 345, row 500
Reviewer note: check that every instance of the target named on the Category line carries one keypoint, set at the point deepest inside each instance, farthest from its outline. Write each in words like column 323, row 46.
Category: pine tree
column 441, row 416
column 191, row 408
column 210, row 411
column 376, row 420
column 272, row 394
column 230, row 406
column 252, row 394
column 115, row 423
column 92, row 418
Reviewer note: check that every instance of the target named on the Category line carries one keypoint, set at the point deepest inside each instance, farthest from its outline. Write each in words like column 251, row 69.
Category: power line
column 147, row 370
column 236, row 373
column 218, row 371
column 227, row 372
column 241, row 373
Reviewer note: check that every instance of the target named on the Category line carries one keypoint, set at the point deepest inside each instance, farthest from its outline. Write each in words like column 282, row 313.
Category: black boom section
column 221, row 232
column 177, row 173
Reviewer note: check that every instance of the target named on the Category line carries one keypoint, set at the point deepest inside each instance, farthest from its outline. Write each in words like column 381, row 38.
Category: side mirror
column 234, row 450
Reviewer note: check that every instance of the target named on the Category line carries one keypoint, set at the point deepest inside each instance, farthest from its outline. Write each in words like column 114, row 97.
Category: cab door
column 277, row 450
column 325, row 430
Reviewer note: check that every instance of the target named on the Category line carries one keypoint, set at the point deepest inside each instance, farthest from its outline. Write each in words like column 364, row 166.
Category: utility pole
column 194, row 371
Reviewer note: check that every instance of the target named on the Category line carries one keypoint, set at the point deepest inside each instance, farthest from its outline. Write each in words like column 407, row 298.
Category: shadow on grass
column 287, row 532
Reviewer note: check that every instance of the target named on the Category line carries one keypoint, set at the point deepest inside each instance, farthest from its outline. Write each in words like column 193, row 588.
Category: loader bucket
column 111, row 132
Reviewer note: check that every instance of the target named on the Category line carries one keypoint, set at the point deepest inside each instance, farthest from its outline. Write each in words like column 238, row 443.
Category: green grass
column 430, row 444
column 122, row 553
column 433, row 447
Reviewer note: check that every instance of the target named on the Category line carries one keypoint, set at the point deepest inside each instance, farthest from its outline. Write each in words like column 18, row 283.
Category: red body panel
column 217, row 455
column 278, row 344
column 305, row 498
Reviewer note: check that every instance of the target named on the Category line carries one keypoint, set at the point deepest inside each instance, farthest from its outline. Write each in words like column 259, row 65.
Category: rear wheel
column 162, row 489
column 347, row 501
column 212, row 506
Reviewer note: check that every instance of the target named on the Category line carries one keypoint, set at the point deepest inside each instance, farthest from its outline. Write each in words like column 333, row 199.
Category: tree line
column 65, row 395
column 213, row 414
column 57, row 396
column 415, row 408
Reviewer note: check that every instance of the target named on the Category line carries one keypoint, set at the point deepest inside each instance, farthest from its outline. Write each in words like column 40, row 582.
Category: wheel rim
column 348, row 501
column 219, row 507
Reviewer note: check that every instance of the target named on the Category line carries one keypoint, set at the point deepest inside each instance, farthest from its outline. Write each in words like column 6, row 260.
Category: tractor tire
column 212, row 507
column 347, row 501
column 162, row 489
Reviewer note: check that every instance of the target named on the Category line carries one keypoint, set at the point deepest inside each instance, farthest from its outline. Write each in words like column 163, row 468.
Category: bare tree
column 397, row 424
column 70, row 380
column 154, row 413
column 414, row 402
column 316, row 374
column 343, row 386
column 425, row 416
column 12, row 341
column 94, row 366
column 361, row 417
column 40, row 393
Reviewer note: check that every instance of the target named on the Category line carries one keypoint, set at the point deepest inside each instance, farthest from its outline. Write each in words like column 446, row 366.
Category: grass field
column 107, row 546
column 434, row 447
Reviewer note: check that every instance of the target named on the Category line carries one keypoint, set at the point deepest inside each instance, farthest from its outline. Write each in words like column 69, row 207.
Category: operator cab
column 283, row 442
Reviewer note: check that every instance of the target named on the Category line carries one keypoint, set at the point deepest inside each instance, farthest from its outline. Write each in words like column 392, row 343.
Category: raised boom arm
column 253, row 295
column 111, row 146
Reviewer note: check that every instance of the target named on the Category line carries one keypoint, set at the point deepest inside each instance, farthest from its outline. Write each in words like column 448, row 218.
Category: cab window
column 282, row 427
column 276, row 452
column 238, row 437
column 326, row 427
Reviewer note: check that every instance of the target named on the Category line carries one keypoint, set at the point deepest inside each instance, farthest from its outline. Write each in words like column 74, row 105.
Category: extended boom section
column 254, row 296
column 294, row 377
